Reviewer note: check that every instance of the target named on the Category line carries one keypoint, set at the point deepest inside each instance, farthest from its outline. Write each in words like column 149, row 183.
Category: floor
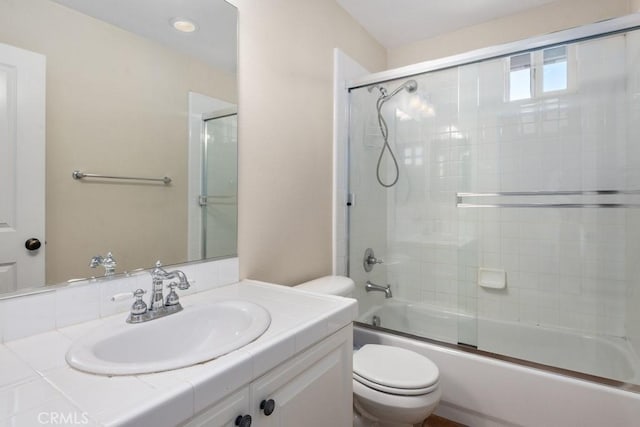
column 436, row 421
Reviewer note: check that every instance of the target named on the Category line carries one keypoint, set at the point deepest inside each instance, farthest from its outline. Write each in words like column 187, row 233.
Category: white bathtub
column 484, row 391
column 607, row 357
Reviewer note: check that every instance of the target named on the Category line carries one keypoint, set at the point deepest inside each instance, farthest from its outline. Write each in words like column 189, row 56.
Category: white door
column 22, row 166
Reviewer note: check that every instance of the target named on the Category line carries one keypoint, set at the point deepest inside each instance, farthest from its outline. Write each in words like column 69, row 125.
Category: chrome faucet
column 107, row 262
column 158, row 306
column 372, row 287
column 158, row 276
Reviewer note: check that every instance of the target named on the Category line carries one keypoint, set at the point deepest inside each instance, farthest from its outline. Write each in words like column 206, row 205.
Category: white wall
column 285, row 129
column 555, row 16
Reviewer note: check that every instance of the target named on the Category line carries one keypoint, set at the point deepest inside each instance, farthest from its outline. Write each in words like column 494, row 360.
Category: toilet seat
column 391, row 390
column 394, row 370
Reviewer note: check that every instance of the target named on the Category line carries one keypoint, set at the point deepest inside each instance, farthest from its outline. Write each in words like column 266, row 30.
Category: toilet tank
column 330, row 285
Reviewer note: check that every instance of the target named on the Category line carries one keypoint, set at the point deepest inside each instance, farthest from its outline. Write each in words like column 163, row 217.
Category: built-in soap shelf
column 492, row 278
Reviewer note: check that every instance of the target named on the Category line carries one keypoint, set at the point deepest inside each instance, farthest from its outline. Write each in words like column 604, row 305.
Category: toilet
column 392, row 386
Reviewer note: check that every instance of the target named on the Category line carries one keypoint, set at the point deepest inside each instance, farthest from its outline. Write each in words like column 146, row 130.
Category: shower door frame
column 573, row 35
column 203, row 199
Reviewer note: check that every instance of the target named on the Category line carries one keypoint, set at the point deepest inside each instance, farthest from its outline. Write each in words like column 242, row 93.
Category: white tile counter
column 37, row 387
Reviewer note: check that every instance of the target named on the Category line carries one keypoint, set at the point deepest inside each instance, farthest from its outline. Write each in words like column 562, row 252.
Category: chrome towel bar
column 548, row 205
column 82, row 175
column 461, row 196
column 551, row 193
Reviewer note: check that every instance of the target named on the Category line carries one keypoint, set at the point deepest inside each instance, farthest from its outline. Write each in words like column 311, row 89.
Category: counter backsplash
column 31, row 314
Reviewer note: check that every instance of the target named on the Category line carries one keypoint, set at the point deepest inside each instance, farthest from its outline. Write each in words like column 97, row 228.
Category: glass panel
column 220, row 214
column 546, row 284
column 555, row 69
column 413, row 225
column 520, row 77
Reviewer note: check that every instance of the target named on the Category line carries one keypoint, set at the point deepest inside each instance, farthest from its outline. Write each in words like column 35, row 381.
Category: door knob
column 32, row 244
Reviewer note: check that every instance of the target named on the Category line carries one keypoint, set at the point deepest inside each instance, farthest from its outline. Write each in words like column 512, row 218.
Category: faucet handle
column 138, row 293
column 122, row 296
column 370, row 260
column 139, row 306
column 126, row 295
column 172, row 297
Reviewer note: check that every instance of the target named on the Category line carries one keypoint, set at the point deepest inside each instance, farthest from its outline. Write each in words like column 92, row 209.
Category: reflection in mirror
column 118, row 81
column 219, row 206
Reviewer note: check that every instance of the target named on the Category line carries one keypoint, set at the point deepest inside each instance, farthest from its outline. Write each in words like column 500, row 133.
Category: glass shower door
column 414, row 225
column 220, row 187
column 513, row 226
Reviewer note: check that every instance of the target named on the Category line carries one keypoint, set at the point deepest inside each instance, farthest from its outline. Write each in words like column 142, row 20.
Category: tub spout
column 371, row 287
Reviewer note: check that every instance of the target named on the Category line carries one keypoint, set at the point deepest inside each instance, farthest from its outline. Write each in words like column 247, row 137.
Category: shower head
column 410, row 86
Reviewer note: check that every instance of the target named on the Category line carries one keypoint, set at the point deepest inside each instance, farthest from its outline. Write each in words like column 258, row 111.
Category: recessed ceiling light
column 184, row 25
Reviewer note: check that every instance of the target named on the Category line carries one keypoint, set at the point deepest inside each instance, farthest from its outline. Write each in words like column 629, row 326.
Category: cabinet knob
column 268, row 406
column 243, row 421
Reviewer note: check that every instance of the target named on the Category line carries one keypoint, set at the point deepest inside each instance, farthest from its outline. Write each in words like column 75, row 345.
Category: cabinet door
column 313, row 389
column 223, row 413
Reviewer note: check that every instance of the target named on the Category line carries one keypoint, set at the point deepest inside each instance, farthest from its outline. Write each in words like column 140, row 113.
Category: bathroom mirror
column 129, row 95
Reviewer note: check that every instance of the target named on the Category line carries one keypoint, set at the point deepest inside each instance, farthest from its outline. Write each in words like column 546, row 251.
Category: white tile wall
column 84, row 301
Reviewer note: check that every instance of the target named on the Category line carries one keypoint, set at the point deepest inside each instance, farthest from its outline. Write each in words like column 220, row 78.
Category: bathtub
column 481, row 390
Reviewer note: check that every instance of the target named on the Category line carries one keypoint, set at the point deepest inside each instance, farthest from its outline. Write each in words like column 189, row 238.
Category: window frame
column 536, row 77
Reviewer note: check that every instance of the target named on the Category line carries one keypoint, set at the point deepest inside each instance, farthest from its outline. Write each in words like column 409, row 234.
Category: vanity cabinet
column 224, row 413
column 311, row 389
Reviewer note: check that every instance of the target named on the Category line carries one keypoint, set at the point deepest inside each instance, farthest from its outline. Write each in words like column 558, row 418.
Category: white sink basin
column 194, row 335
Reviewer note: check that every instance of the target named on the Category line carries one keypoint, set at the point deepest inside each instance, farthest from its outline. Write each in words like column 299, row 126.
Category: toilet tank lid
column 329, row 285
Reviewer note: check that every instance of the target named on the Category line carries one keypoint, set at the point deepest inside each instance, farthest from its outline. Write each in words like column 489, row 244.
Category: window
column 520, row 77
column 536, row 74
column 554, row 69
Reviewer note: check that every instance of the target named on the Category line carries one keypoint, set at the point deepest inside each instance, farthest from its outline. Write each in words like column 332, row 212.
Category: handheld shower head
column 410, row 85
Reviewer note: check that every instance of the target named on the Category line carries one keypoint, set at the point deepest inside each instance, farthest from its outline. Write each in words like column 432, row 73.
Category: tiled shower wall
column 460, row 132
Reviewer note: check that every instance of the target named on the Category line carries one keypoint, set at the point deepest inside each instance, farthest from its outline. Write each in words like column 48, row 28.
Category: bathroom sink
column 195, row 335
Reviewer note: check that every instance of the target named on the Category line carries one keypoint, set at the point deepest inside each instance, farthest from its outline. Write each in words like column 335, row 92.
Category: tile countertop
column 37, row 387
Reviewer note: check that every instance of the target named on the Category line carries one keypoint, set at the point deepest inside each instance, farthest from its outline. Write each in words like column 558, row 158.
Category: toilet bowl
column 392, row 386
